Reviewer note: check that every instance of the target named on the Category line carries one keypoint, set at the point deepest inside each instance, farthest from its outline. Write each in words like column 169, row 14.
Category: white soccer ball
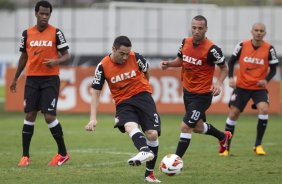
column 171, row 165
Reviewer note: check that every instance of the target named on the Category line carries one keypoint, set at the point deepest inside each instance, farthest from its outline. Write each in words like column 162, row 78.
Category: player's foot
column 24, row 161
column 223, row 145
column 142, row 156
column 225, row 153
column 151, row 178
column 259, row 150
column 59, row 160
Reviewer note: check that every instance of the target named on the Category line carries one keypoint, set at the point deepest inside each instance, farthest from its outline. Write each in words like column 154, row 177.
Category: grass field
column 101, row 157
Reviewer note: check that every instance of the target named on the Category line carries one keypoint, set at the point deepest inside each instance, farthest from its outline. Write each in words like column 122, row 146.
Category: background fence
column 156, row 29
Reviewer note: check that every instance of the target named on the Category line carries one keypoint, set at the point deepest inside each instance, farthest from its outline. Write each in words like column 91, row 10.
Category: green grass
column 2, row 92
column 101, row 157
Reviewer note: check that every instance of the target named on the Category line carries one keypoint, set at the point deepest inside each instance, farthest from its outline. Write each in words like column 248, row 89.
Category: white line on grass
column 99, row 150
column 92, row 150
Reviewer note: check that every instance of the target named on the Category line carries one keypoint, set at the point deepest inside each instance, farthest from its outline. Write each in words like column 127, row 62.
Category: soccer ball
column 171, row 165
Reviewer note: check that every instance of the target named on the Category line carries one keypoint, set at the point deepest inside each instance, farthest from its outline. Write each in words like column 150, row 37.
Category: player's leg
column 230, row 124
column 127, row 119
column 57, row 132
column 49, row 98
column 31, row 96
column 191, row 117
column 262, row 107
column 139, row 140
column 27, row 133
column 237, row 104
column 203, row 127
column 153, row 143
column 150, row 123
column 184, row 139
column 209, row 129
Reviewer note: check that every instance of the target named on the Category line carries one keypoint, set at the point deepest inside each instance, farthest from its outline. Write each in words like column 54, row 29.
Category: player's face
column 198, row 29
column 43, row 16
column 120, row 55
column 258, row 32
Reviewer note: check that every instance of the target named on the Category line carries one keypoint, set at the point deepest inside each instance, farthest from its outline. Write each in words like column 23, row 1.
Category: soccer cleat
column 151, row 178
column 223, row 145
column 225, row 153
column 24, row 161
column 259, row 150
column 142, row 156
column 59, row 160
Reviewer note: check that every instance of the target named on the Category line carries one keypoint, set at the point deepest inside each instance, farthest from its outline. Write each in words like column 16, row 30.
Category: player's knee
column 152, row 135
column 31, row 116
column 185, row 127
column 49, row 118
column 234, row 113
column 198, row 130
column 263, row 110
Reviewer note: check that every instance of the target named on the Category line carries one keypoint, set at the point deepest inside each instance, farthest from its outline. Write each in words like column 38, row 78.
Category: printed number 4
column 53, row 103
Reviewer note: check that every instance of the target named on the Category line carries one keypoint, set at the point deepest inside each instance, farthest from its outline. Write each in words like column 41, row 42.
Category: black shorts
column 141, row 109
column 195, row 106
column 240, row 97
column 41, row 93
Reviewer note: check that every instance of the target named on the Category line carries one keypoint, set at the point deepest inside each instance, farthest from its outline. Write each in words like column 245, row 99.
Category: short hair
column 259, row 23
column 122, row 40
column 44, row 4
column 201, row 17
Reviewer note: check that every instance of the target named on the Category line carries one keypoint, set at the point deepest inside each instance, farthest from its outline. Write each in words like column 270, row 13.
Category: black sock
column 139, row 141
column 150, row 165
column 57, row 133
column 262, row 123
column 215, row 132
column 230, row 128
column 182, row 146
column 27, row 133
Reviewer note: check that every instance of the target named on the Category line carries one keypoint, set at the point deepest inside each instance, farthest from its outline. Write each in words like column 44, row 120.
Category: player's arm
column 65, row 57
column 273, row 63
column 91, row 125
column 62, row 47
column 143, row 65
column 177, row 62
column 232, row 61
column 22, row 61
column 97, row 86
column 20, row 68
column 215, row 56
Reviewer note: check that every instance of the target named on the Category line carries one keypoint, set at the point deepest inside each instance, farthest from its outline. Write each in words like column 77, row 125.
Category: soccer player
column 127, row 75
column 40, row 47
column 198, row 56
column 257, row 66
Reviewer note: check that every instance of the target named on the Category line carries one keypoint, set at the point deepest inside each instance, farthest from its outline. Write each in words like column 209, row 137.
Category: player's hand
column 232, row 83
column 261, row 83
column 13, row 86
column 91, row 126
column 164, row 65
column 216, row 89
column 50, row 62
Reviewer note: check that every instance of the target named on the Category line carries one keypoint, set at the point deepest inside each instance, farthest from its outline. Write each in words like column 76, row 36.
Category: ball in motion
column 171, row 165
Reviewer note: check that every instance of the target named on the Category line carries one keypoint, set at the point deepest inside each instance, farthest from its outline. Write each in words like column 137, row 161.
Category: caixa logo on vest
column 40, row 43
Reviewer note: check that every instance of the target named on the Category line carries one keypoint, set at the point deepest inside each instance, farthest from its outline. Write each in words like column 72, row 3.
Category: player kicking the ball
column 127, row 75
